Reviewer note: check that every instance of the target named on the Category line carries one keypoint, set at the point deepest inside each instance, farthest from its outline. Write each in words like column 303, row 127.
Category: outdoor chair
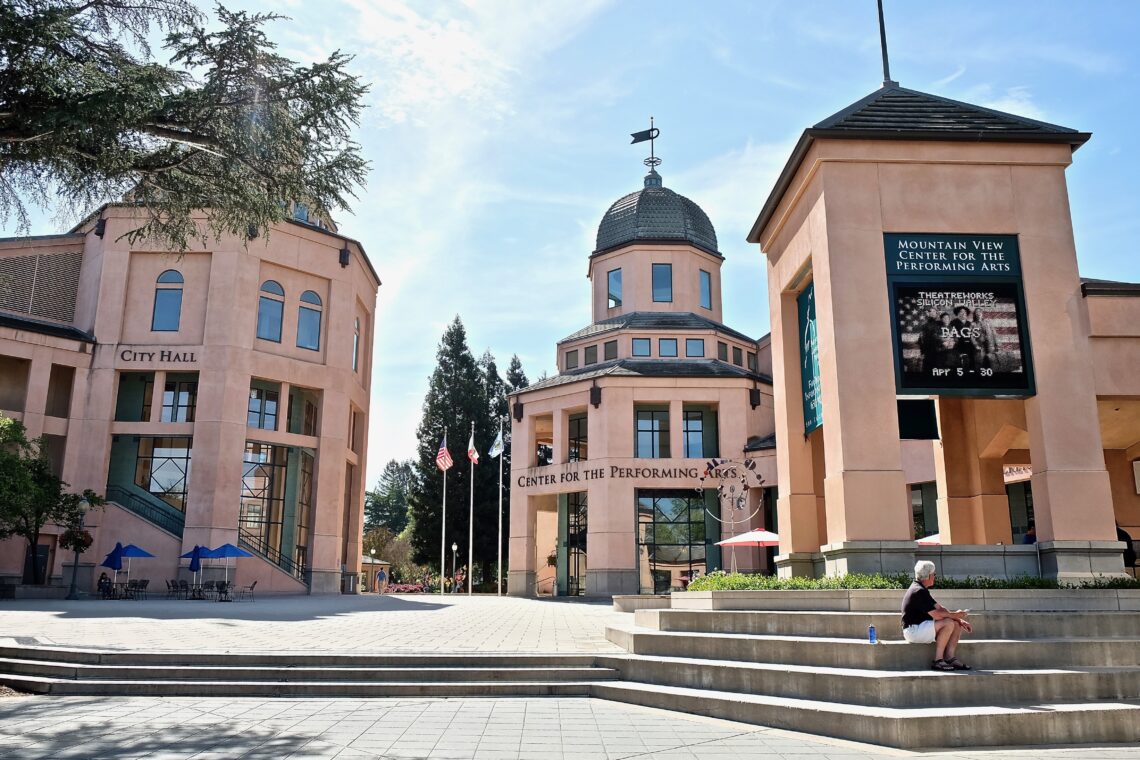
column 222, row 591
column 132, row 590
column 209, row 590
column 245, row 592
column 184, row 589
column 141, row 591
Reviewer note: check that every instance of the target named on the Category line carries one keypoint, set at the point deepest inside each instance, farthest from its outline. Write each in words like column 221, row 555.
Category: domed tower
column 656, row 251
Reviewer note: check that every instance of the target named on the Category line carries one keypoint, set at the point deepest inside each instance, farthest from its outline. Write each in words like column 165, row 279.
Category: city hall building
column 912, row 243
column 216, row 396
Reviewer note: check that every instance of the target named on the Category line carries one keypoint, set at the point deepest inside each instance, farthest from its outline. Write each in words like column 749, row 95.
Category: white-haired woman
column 925, row 621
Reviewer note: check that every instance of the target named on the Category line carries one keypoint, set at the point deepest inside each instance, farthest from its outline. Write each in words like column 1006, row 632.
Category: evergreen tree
column 228, row 128
column 456, row 397
column 516, row 378
column 386, row 505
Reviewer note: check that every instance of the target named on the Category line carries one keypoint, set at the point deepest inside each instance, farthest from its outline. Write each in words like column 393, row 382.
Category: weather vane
column 648, row 134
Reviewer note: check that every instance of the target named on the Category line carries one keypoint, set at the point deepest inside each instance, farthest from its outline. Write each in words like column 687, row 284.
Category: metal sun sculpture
column 733, row 484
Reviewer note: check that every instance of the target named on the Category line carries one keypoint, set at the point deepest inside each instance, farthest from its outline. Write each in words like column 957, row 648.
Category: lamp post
column 454, row 549
column 372, row 567
column 73, row 593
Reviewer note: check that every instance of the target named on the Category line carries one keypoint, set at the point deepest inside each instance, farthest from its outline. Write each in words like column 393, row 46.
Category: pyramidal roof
column 896, row 113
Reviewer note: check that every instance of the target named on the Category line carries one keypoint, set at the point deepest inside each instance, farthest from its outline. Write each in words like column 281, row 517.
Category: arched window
column 167, row 302
column 309, row 321
column 270, row 310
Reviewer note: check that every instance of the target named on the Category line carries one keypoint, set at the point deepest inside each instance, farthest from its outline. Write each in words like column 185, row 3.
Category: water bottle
column 871, row 635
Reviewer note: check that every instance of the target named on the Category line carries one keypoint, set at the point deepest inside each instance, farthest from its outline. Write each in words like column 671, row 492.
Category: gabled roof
column 649, row 368
column 655, row 320
column 896, row 113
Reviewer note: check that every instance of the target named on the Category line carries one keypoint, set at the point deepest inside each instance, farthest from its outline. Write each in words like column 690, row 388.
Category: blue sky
column 498, row 135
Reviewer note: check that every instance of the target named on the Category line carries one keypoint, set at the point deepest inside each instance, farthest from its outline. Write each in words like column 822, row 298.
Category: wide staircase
column 1039, row 677
column 61, row 671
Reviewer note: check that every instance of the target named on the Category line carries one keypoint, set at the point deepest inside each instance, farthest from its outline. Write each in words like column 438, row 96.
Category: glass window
column 264, row 475
column 652, row 433
column 356, row 345
column 699, row 432
column 641, row 347
column 262, row 412
column 590, row 355
column 694, row 347
column 610, row 350
column 179, row 398
column 924, row 508
column 304, row 510
column 270, row 310
column 309, row 322
column 613, row 288
column 737, row 356
column 666, row 346
column 167, row 311
column 722, row 351
column 162, row 468
column 572, row 359
column 662, row 282
column 579, row 440
column 706, row 290
column 674, row 539
column 751, row 361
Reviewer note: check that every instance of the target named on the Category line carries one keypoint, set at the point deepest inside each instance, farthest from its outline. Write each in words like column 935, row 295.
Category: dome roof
column 655, row 214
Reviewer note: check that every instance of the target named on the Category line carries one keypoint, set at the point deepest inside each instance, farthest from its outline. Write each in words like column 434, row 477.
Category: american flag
column 999, row 306
column 443, row 458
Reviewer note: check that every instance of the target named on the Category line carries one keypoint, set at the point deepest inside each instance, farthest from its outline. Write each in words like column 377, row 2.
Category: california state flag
column 472, row 454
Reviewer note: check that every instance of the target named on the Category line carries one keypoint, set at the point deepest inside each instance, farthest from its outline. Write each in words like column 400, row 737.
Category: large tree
column 457, row 396
column 226, row 127
column 386, row 505
column 31, row 495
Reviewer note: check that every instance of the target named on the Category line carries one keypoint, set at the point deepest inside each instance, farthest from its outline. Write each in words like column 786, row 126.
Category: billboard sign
column 958, row 315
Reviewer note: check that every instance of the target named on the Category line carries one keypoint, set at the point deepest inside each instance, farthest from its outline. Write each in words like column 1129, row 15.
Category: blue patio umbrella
column 114, row 560
column 225, row 551
column 195, row 556
column 130, row 550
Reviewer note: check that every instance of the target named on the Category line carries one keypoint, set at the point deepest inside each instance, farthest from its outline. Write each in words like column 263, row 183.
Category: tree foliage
column 461, row 390
column 227, row 127
column 31, row 495
column 386, row 505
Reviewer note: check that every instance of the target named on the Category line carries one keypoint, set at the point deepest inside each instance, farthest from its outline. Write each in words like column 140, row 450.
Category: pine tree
column 516, row 378
column 386, row 505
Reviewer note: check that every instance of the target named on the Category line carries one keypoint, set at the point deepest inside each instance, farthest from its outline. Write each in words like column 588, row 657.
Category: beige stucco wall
column 636, row 262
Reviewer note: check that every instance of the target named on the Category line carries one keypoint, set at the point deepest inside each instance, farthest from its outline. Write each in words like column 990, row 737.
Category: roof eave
column 656, row 241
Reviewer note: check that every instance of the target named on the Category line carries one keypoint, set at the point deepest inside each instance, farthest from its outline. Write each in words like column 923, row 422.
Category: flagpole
column 443, row 527
column 471, row 516
column 499, row 546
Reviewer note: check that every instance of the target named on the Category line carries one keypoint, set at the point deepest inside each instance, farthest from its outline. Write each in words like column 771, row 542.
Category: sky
column 498, row 132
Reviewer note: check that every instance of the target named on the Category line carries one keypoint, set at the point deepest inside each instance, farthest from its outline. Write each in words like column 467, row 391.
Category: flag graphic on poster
column 497, row 446
column 472, row 454
column 443, row 457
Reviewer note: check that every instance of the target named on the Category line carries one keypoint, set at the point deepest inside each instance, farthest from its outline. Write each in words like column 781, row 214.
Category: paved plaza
column 34, row 727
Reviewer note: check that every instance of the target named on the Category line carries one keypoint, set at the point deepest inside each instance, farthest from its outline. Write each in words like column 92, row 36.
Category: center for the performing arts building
column 937, row 369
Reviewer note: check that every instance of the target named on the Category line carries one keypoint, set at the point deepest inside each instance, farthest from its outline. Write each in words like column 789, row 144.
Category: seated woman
column 106, row 588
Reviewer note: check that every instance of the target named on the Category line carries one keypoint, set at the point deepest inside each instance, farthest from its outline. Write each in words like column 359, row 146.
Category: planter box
column 862, row 600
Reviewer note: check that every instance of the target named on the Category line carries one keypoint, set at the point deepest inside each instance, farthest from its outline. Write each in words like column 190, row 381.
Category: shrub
column 722, row 581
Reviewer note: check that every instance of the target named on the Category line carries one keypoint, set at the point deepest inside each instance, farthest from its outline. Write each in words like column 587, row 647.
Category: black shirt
column 916, row 605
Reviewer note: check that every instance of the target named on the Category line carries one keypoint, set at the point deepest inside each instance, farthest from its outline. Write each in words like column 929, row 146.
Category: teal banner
column 809, row 359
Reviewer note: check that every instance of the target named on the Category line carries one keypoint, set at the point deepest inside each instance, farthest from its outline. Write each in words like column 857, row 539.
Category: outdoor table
column 122, row 590
column 224, row 593
column 196, row 592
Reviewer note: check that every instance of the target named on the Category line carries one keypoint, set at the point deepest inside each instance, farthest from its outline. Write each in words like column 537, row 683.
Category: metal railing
column 170, row 521
column 274, row 555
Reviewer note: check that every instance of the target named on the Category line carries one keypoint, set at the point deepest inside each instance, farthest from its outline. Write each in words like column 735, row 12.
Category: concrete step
column 818, row 651
column 215, row 688
column 884, row 688
column 910, row 728
column 989, row 625
column 239, row 672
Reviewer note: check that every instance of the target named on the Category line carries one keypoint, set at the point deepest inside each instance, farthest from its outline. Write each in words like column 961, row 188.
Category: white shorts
column 923, row 633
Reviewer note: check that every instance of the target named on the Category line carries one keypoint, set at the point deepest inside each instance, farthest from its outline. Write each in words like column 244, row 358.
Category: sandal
column 957, row 664
column 941, row 665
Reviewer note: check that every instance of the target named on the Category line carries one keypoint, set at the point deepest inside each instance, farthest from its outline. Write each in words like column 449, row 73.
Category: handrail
column 171, row 523
column 273, row 554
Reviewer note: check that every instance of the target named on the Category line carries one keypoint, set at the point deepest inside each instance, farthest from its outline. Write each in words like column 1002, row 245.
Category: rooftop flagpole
column 887, row 81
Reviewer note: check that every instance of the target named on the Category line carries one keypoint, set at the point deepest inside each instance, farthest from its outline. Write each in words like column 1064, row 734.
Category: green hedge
column 722, row 581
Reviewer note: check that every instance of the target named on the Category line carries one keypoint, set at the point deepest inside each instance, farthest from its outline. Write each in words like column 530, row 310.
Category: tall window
column 613, row 288
column 706, row 290
column 652, row 433
column 662, row 282
column 641, row 347
column 666, row 346
column 694, row 346
column 179, row 398
column 167, row 302
column 263, row 491
column 673, row 539
column 356, row 344
column 579, row 439
column 262, row 411
column 309, row 321
column 924, row 508
column 572, row 359
column 590, row 355
column 162, row 467
column 610, row 349
column 751, row 361
column 699, row 432
column 270, row 310
column 737, row 356
column 722, row 351
column 304, row 508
